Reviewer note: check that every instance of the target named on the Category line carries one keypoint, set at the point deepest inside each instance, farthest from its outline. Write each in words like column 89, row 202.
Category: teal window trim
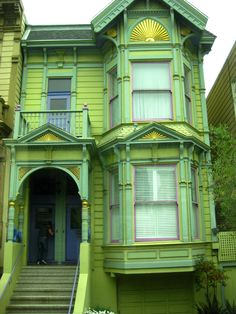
column 195, row 204
column 114, row 108
column 114, row 207
column 188, row 95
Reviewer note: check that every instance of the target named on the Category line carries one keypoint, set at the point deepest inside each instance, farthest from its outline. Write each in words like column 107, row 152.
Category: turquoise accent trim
column 149, row 265
column 129, row 208
column 201, row 203
column 183, row 196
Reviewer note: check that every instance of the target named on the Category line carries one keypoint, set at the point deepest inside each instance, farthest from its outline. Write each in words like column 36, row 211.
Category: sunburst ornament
column 150, row 31
column 153, row 136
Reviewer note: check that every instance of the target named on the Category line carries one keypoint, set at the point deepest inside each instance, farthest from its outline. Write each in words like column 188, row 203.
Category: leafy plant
column 208, row 276
column 223, row 152
column 98, row 310
column 211, row 306
column 230, row 308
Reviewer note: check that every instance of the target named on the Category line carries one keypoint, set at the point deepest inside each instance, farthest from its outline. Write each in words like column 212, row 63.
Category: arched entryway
column 54, row 198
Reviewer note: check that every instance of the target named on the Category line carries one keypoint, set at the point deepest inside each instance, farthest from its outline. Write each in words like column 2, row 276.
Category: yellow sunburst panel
column 150, row 31
column 23, row 171
column 49, row 137
column 75, row 171
column 153, row 136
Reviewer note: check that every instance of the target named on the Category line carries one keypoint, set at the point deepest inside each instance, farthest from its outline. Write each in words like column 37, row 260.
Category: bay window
column 114, row 207
column 156, row 211
column 152, row 97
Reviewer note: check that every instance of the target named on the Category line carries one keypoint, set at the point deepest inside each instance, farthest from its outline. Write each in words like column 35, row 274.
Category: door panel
column 73, row 233
column 40, row 216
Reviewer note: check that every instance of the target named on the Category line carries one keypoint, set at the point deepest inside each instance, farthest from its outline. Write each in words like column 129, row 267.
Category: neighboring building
column 111, row 145
column 221, row 108
column 221, row 101
column 11, row 30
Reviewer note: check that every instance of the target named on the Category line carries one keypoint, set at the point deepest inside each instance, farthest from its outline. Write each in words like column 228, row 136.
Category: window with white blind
column 156, row 211
column 113, row 98
column 187, row 92
column 195, row 207
column 114, row 207
column 58, row 102
column 152, row 96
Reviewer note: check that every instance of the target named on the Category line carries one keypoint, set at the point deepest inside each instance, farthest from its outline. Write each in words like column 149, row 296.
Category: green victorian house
column 111, row 147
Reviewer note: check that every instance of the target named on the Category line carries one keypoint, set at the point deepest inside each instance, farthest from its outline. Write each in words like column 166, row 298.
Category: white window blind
column 155, row 202
column 114, row 207
column 151, row 91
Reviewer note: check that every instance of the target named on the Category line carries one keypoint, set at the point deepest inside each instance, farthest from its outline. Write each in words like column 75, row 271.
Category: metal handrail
column 13, row 270
column 73, row 289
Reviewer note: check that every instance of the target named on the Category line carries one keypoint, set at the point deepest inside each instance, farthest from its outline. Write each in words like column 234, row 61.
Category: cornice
column 185, row 9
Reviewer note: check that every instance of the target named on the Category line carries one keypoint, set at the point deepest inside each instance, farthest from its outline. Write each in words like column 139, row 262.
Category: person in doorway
column 45, row 233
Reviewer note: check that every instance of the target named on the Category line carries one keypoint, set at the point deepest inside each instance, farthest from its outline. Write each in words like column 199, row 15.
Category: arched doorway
column 54, row 198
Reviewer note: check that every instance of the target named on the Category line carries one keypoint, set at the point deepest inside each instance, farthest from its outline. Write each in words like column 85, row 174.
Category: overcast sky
column 221, row 23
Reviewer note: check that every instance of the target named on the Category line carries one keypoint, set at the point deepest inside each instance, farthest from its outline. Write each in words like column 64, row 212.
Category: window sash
column 114, row 111
column 152, row 105
column 59, row 85
column 156, row 221
column 156, row 210
column 152, row 97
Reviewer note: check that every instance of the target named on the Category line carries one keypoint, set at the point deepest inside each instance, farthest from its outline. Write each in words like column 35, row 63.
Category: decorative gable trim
column 185, row 9
column 47, row 133
column 153, row 133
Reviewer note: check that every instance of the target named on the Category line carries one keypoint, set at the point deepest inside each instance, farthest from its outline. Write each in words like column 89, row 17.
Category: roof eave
column 194, row 16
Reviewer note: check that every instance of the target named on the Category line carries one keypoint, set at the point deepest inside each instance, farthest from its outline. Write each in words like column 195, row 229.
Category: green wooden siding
column 156, row 294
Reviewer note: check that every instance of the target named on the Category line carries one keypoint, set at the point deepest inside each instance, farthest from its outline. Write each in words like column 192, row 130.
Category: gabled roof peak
column 193, row 15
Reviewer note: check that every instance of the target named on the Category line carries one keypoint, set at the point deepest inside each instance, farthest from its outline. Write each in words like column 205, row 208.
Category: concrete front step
column 40, row 308
column 28, row 291
column 43, row 299
column 43, row 290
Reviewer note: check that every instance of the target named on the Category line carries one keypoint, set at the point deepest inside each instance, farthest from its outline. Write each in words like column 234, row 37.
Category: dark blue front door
column 73, row 232
column 40, row 216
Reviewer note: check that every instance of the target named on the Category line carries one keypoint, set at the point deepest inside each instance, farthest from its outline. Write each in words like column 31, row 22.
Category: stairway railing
column 73, row 288
column 13, row 271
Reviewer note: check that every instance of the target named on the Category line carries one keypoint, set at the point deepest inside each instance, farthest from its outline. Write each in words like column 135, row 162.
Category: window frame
column 175, row 202
column 113, row 99
column 169, row 91
column 195, row 203
column 59, row 117
column 112, row 204
column 188, row 94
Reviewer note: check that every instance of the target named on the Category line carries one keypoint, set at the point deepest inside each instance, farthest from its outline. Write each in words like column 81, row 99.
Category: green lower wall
column 229, row 291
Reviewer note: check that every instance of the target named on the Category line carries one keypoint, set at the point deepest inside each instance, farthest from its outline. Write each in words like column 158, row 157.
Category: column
column 11, row 215
column 85, row 220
